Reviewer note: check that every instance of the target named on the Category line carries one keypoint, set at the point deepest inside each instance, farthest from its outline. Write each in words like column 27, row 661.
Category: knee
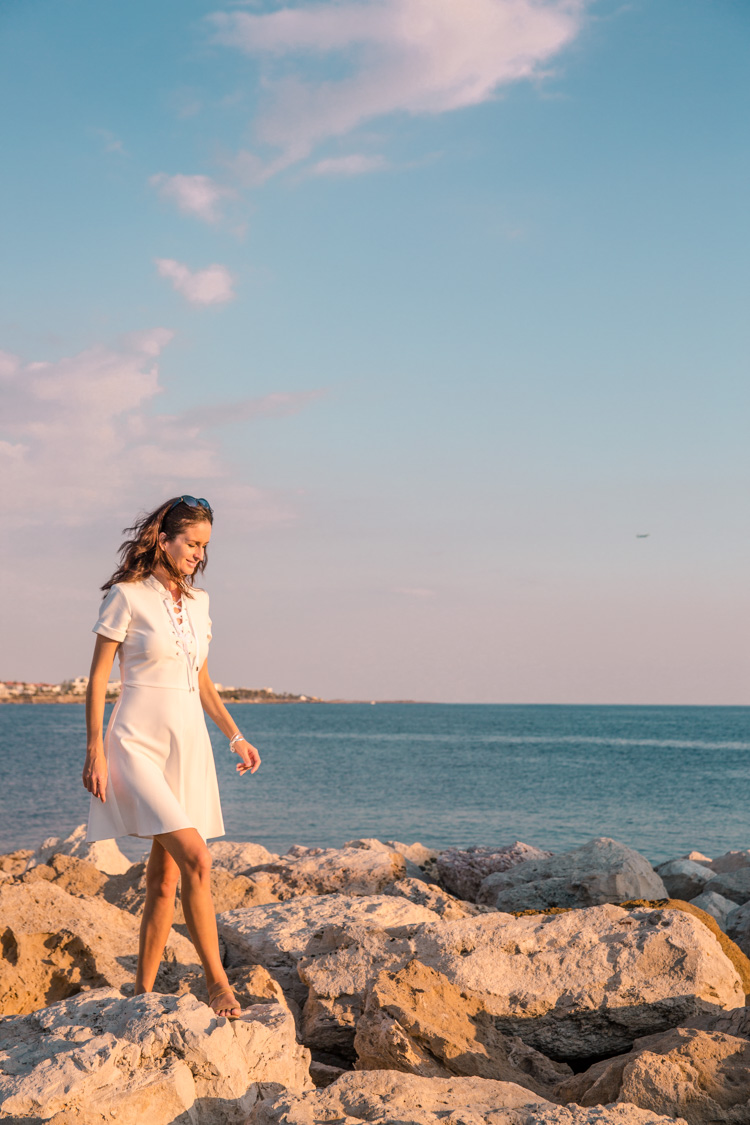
column 197, row 866
column 164, row 882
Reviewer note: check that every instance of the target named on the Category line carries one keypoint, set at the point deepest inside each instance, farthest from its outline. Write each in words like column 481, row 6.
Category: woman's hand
column 249, row 755
column 95, row 775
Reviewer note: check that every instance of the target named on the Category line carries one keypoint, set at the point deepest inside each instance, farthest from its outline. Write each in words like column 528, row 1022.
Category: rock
column 416, row 1020
column 462, row 871
column 730, row 861
column 416, row 857
column 417, row 853
column 703, row 1077
column 391, row 1098
column 683, row 878
column 104, row 854
column 276, row 935
column 598, row 872
column 576, row 984
column 729, row 948
column 738, row 926
column 430, row 895
column 323, row 1074
column 75, row 876
column 14, row 863
column 715, row 905
column 732, row 1021
column 733, row 884
column 698, row 857
column 320, row 871
column 159, row 1059
column 239, row 858
column 54, row 945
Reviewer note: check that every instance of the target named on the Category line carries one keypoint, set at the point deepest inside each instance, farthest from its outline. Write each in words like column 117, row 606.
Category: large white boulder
column 239, row 857
column 355, row 870
column 732, row 884
column 152, row 1058
column 416, row 1020
column 683, row 878
column 55, row 944
column 104, row 854
column 388, row 1097
column 701, row 1076
column 462, row 870
column 601, row 871
column 716, row 905
column 276, row 935
column 572, row 985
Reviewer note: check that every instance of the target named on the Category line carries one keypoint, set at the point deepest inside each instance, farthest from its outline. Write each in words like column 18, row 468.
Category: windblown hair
column 141, row 552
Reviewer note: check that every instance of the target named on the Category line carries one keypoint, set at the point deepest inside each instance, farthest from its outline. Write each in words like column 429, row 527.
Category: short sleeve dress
column 161, row 771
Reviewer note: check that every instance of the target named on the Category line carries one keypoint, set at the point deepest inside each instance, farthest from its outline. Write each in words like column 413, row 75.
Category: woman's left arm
column 215, row 709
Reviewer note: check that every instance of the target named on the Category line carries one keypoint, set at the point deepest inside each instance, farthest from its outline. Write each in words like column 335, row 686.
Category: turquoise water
column 661, row 779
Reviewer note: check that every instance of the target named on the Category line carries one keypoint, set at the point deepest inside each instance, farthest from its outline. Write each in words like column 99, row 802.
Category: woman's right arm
column 95, row 770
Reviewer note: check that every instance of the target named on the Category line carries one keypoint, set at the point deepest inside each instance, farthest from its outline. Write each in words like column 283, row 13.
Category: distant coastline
column 74, row 691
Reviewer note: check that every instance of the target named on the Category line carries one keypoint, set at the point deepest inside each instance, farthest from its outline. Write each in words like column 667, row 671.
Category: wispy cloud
column 408, row 56
column 278, row 404
column 80, row 436
column 356, row 164
column 199, row 196
column 211, row 286
column 110, row 142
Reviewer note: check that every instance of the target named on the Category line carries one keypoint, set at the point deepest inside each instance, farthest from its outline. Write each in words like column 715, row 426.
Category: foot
column 223, row 1001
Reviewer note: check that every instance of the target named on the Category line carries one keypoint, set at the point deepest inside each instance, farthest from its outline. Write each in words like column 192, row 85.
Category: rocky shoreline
column 383, row 982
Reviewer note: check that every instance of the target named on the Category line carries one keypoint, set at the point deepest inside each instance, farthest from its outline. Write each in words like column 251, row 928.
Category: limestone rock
column 387, row 1097
column 730, row 861
column 462, row 871
column 598, row 872
column 732, row 1021
column 732, row 884
column 416, row 1020
column 150, row 1058
column 715, row 905
column 319, row 871
column 15, row 863
column 276, row 935
column 104, row 854
column 76, row 876
column 698, row 857
column 738, row 926
column 430, row 895
column 683, row 878
column 239, row 857
column 729, row 947
column 54, row 945
column 703, row 1077
column 575, row 984
column 418, row 859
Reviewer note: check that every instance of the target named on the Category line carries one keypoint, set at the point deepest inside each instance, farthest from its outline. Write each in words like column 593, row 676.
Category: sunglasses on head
column 192, row 502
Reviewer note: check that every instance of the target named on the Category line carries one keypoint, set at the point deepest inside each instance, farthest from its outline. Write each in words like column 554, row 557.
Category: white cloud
column 412, row 56
column 194, row 195
column 356, row 164
column 211, row 286
column 80, row 440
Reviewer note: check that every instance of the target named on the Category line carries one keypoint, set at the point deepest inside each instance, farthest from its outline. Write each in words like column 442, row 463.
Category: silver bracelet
column 235, row 738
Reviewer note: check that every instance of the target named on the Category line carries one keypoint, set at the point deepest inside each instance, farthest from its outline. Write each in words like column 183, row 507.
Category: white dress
column 161, row 774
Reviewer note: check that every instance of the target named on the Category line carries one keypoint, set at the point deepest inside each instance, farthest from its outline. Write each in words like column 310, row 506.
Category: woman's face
column 188, row 548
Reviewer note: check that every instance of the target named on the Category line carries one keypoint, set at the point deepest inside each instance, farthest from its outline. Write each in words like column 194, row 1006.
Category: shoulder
column 199, row 595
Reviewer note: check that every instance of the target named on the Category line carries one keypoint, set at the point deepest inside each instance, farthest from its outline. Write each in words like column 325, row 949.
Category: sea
column 663, row 780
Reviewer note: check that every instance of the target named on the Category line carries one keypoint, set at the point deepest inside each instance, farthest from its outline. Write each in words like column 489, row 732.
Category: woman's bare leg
column 162, row 875
column 188, row 850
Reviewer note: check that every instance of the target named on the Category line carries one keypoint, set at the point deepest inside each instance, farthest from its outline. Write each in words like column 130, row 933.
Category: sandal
column 218, row 994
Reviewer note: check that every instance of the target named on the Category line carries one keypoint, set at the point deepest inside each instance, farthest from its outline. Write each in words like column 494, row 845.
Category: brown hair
column 142, row 552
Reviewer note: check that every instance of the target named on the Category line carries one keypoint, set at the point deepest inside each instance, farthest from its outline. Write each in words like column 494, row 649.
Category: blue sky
column 439, row 301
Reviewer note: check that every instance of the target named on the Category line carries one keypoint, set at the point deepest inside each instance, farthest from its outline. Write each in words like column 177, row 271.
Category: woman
column 153, row 775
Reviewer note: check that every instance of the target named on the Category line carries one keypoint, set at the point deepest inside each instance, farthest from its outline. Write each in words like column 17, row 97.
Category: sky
column 441, row 303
